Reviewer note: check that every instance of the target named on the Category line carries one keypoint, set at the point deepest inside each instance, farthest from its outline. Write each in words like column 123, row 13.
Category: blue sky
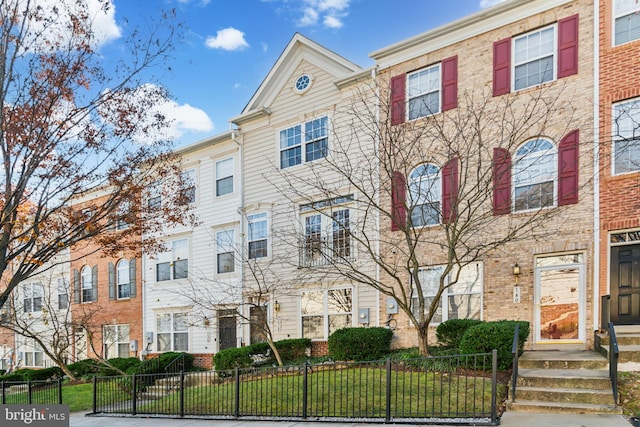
column 230, row 45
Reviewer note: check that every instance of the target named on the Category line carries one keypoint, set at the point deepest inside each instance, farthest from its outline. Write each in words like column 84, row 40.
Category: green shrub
column 231, row 358
column 293, row 349
column 17, row 375
column 83, row 368
column 450, row 333
column 360, row 343
column 124, row 364
column 485, row 337
column 33, row 374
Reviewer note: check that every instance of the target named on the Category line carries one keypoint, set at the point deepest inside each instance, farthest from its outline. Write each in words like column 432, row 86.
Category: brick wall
column 319, row 348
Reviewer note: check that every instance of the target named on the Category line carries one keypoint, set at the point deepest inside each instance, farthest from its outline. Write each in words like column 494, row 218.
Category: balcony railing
column 325, row 250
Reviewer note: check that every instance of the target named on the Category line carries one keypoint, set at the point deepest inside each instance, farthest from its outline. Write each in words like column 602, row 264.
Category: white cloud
column 488, row 3
column 49, row 26
column 330, row 12
column 227, row 39
column 185, row 118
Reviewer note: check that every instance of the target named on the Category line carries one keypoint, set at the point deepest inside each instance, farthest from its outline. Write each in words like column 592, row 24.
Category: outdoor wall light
column 276, row 306
column 516, row 272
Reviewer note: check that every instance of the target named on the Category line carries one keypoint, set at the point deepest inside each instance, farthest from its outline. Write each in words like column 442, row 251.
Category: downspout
column 234, row 134
column 596, row 165
column 376, row 145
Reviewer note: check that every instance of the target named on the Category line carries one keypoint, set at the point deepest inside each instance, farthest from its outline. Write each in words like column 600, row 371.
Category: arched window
column 124, row 287
column 425, row 195
column 534, row 175
column 87, row 284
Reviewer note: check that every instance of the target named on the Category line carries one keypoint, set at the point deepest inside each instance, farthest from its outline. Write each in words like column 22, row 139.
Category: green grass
column 356, row 391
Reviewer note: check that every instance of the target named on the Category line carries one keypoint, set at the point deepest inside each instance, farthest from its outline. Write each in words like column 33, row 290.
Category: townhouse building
column 510, row 92
column 300, row 212
column 106, row 294
column 192, row 289
column 618, row 119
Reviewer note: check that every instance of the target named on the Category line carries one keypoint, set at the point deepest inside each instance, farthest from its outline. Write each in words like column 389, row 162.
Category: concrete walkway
column 509, row 419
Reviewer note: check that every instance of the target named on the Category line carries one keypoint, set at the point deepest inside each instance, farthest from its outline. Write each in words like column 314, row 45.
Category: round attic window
column 302, row 83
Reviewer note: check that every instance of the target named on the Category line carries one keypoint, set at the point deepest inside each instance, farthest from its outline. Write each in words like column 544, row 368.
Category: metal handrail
column 614, row 352
column 514, row 351
column 176, row 365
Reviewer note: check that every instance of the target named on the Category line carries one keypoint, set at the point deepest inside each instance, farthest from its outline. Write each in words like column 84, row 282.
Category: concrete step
column 562, row 407
column 571, row 359
column 627, row 353
column 565, row 395
column 623, row 339
column 563, row 378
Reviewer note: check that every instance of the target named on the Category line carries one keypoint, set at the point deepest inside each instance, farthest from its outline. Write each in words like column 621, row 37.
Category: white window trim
column 31, row 291
column 268, row 236
column 118, row 284
column 613, row 136
column 303, row 143
column 63, row 283
column 438, row 185
column 613, row 24
column 444, row 298
column 231, row 250
column 325, row 310
column 233, row 177
column 30, row 346
column 439, row 90
column 115, row 343
column 191, row 173
column 172, row 346
column 83, row 288
column 168, row 257
column 555, row 179
column 554, row 61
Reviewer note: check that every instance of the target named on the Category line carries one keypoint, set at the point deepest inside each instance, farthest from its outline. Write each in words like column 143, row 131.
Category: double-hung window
column 115, row 339
column 460, row 300
column 174, row 264
column 327, row 235
column 626, row 136
column 89, row 287
column 627, row 21
column 123, row 279
column 32, row 301
column 258, row 227
column 423, row 92
column 534, row 177
column 534, row 58
column 154, row 196
column 425, row 195
column 323, row 312
column 224, row 177
column 304, row 142
column 225, row 248
column 121, row 215
column 63, row 293
column 33, row 356
column 188, row 190
column 173, row 332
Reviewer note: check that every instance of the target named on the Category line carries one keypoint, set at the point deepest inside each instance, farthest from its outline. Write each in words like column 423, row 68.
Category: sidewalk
column 509, row 419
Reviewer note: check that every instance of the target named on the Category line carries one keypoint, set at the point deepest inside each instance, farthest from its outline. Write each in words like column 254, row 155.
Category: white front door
column 559, row 299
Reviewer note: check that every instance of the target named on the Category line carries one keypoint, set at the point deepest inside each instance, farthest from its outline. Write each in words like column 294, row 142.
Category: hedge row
column 290, row 350
column 486, row 336
column 360, row 343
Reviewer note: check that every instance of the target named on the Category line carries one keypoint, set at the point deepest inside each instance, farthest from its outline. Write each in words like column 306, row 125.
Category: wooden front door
column 625, row 285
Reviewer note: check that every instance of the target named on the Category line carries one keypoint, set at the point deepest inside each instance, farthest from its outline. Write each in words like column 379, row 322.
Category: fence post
column 134, row 404
column 305, row 379
column 30, row 397
column 4, row 396
column 182, row 393
column 387, row 416
column 59, row 391
column 494, row 384
column 95, row 394
column 237, row 394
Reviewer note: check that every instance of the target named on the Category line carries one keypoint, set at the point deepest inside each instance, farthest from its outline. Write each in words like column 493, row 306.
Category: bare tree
column 71, row 122
column 433, row 192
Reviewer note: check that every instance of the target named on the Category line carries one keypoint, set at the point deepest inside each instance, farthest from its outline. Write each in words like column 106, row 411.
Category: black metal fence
column 447, row 389
column 31, row 392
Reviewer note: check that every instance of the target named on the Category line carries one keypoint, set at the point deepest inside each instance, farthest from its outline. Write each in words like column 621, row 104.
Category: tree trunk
column 423, row 340
column 66, row 371
column 275, row 352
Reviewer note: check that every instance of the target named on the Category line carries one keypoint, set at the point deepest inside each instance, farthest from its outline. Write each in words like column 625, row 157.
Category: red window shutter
column 450, row 191
column 398, row 201
column 502, row 67
column 398, row 87
column 501, row 181
column 568, row 169
column 449, row 83
column 568, row 46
